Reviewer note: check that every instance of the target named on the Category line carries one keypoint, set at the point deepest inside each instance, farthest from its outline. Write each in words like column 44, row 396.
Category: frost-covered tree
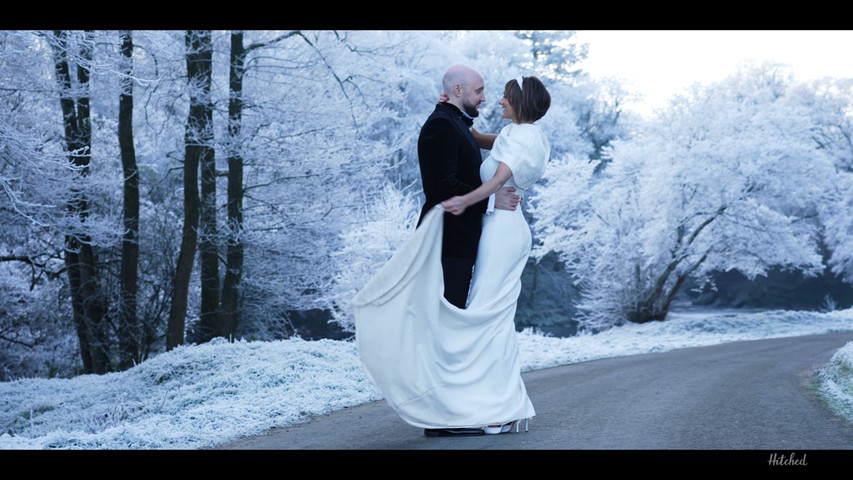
column 73, row 61
column 199, row 152
column 727, row 178
column 34, row 319
column 55, row 146
column 830, row 104
column 317, row 139
column 129, row 332
column 838, row 228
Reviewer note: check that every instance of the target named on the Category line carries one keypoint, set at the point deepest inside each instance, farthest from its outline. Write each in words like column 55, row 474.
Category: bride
column 438, row 366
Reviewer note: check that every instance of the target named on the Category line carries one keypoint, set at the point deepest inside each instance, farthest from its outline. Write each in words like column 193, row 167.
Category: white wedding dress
column 437, row 365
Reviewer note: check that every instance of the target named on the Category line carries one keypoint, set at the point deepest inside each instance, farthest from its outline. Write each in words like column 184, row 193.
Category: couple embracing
column 435, row 327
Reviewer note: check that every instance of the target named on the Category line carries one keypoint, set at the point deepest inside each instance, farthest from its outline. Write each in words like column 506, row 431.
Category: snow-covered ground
column 201, row 396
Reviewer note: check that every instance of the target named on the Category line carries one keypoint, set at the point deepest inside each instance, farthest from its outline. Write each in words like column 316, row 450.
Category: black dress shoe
column 453, row 432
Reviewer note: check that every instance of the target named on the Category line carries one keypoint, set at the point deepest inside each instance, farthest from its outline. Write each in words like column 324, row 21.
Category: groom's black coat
column 450, row 165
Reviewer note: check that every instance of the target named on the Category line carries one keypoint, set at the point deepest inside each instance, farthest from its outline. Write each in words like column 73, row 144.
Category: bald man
column 450, row 160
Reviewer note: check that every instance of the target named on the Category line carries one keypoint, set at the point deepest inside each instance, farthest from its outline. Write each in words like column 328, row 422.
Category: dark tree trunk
column 229, row 312
column 128, row 328
column 656, row 305
column 199, row 57
column 209, row 232
column 80, row 257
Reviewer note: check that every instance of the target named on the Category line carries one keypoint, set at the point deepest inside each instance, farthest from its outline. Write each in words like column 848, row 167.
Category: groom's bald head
column 465, row 88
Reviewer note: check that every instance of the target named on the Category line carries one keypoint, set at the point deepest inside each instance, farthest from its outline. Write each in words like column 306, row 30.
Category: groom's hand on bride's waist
column 506, row 200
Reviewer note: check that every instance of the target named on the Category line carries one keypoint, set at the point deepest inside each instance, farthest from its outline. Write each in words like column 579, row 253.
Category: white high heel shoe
column 506, row 427
column 495, row 429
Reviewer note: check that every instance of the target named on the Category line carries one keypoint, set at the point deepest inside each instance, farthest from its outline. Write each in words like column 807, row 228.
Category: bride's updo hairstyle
column 530, row 100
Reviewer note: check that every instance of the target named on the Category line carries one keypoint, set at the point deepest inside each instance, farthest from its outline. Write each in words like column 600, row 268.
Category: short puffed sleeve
column 525, row 150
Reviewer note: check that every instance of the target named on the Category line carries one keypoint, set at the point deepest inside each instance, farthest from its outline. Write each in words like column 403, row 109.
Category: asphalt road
column 745, row 396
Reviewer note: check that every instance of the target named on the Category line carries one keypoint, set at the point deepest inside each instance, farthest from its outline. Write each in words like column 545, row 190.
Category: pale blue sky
column 657, row 63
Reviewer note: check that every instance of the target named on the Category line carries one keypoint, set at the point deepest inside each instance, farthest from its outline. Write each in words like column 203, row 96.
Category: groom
column 450, row 160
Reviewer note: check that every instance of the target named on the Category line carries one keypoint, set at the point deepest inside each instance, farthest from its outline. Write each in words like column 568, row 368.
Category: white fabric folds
column 439, row 366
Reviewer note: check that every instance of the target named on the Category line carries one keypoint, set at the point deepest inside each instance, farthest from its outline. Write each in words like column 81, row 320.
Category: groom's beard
column 471, row 109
